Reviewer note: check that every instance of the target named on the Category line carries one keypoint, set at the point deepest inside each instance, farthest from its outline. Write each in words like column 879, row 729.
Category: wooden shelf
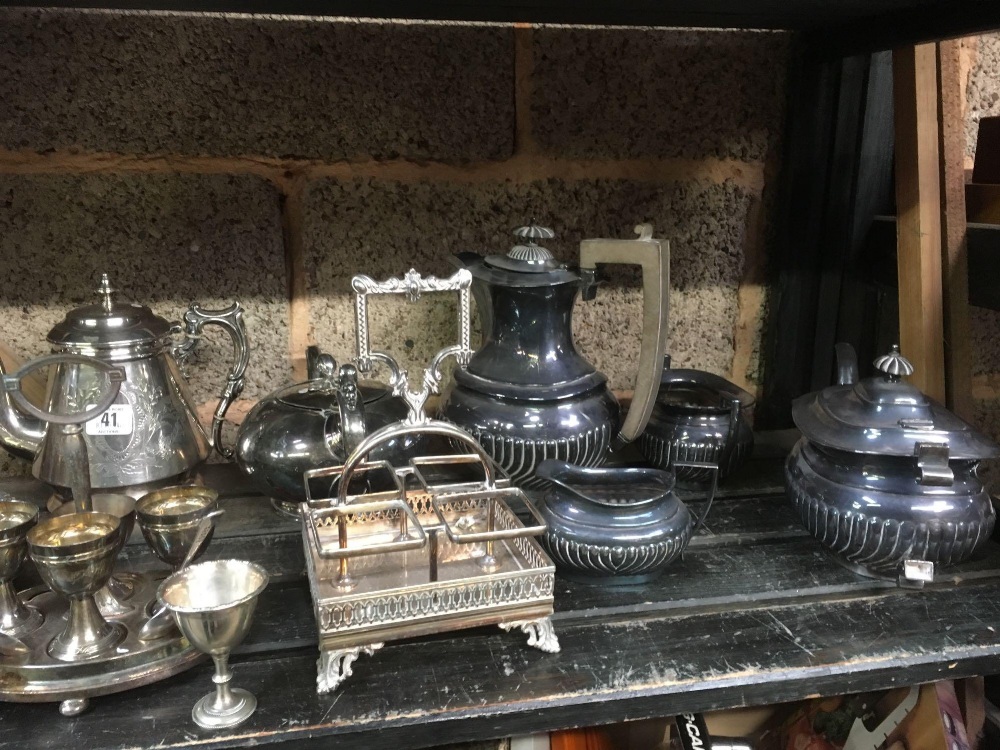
column 756, row 613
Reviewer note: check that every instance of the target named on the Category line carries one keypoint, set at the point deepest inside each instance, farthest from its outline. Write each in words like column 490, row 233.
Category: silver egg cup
column 75, row 555
column 213, row 604
column 16, row 520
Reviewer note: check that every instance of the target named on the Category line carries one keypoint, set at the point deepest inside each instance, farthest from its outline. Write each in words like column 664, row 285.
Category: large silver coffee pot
column 151, row 432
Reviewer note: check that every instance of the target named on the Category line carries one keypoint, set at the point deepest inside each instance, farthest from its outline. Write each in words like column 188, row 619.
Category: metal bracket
column 932, row 463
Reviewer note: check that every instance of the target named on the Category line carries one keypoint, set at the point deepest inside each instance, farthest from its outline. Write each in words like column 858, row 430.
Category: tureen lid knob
column 894, row 364
column 529, row 249
column 106, row 290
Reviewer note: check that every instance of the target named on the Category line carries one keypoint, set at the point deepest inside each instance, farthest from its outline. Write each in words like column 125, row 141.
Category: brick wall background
column 201, row 159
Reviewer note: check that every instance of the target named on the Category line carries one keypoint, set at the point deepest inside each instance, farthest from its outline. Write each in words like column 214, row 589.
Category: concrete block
column 383, row 228
column 984, row 332
column 278, row 87
column 167, row 240
column 645, row 93
column 987, row 418
column 982, row 93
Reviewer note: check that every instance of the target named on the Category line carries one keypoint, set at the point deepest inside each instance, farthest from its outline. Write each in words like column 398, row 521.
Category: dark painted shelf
column 755, row 613
column 869, row 24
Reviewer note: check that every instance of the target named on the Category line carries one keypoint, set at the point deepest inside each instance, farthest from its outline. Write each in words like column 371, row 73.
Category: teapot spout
column 20, row 435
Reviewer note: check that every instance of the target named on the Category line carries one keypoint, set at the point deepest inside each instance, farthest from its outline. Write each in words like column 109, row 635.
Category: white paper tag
column 117, row 420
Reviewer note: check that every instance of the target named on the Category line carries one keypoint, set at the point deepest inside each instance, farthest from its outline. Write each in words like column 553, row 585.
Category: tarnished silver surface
column 427, row 556
column 169, row 519
column 75, row 555
column 885, row 416
column 213, row 604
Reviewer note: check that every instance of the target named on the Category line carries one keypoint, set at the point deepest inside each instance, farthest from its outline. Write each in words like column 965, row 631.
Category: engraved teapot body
column 151, row 431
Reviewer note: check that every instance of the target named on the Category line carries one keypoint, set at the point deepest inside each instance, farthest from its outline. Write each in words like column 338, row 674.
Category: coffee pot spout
column 21, row 435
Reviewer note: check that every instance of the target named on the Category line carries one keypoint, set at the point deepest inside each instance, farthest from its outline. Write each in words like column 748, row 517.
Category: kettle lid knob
column 894, row 364
column 106, row 290
column 528, row 248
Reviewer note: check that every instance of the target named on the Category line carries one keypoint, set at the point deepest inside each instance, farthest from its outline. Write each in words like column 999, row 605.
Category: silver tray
column 38, row 678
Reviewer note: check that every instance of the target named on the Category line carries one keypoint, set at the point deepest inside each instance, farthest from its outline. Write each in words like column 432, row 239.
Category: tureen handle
column 654, row 257
column 230, row 319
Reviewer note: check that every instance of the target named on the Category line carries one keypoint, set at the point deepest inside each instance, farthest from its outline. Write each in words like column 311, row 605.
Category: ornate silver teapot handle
column 413, row 285
column 230, row 319
column 654, row 257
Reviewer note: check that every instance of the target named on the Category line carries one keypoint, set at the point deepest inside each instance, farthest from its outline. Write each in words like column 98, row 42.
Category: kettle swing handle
column 230, row 319
column 653, row 256
column 70, row 426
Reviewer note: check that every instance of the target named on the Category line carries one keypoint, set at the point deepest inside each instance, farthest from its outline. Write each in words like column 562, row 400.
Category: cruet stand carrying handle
column 231, row 320
column 653, row 255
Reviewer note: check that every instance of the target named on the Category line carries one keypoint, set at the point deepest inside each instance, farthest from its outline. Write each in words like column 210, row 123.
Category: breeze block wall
column 207, row 158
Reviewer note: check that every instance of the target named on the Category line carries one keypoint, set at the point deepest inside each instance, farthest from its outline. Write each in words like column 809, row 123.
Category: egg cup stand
column 28, row 673
column 36, row 677
column 428, row 556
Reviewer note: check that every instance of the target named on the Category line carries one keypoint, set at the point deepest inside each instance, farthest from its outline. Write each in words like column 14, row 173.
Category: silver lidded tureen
column 885, row 477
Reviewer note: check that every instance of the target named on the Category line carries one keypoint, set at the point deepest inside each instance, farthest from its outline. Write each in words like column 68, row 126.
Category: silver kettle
column 151, row 431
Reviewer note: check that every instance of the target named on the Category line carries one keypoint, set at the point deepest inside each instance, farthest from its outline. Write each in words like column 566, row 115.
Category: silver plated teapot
column 151, row 431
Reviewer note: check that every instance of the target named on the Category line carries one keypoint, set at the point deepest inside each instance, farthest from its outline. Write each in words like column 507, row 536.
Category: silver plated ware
column 150, row 432
column 700, row 417
column 16, row 520
column 75, row 654
column 312, row 424
column 213, row 604
column 112, row 598
column 885, row 477
column 434, row 553
column 75, row 555
column 616, row 525
column 160, row 622
column 527, row 394
column 169, row 520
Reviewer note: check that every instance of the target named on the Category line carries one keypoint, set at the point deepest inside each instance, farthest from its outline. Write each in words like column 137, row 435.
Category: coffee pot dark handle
column 653, row 256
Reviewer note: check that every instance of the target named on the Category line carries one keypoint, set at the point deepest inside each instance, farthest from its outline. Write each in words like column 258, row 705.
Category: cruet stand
column 434, row 554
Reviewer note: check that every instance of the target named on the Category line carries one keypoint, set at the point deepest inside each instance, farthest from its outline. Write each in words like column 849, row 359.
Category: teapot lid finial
column 894, row 364
column 106, row 290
